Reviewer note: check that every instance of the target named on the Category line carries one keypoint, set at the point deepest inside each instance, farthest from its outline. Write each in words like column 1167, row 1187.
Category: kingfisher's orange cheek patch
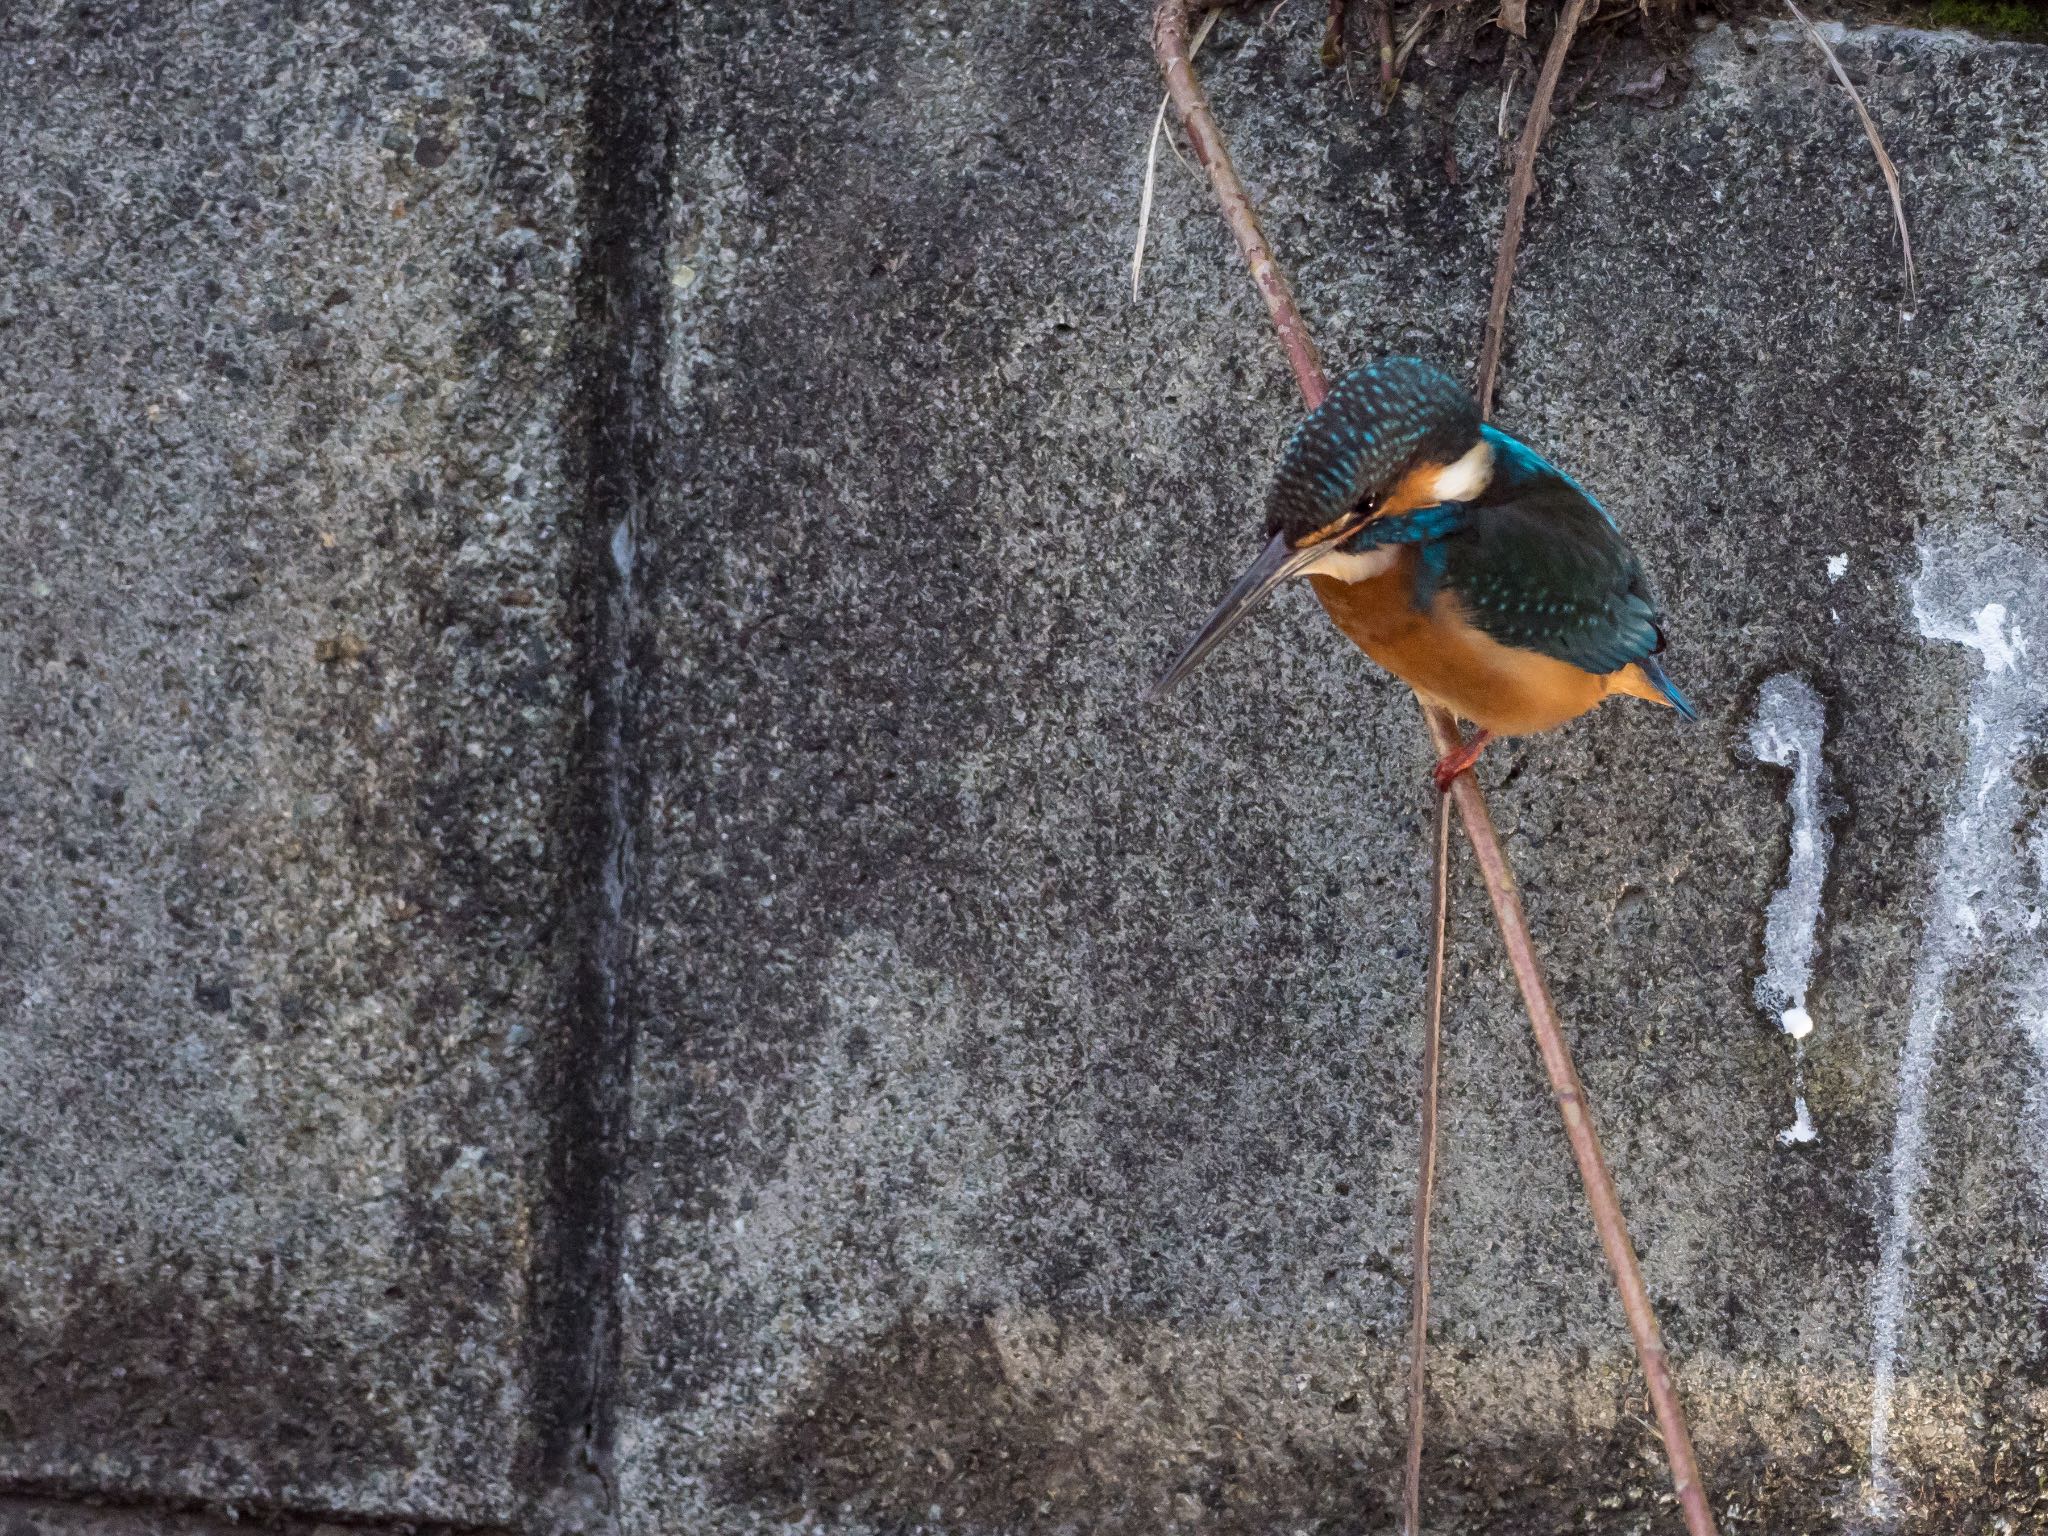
column 1415, row 488
column 1336, row 528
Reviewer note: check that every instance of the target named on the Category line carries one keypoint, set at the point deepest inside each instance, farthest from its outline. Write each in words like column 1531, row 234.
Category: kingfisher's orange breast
column 1444, row 657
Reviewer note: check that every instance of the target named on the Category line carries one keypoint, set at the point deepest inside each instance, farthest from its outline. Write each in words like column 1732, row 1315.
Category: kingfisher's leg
column 1449, row 766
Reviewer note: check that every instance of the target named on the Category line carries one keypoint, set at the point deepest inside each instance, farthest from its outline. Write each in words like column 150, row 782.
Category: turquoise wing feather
column 1539, row 565
column 1550, row 576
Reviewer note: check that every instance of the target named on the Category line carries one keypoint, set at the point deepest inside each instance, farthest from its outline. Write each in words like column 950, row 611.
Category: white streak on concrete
column 1838, row 567
column 1787, row 733
column 1986, row 902
column 1790, row 721
column 1984, row 631
column 1801, row 1129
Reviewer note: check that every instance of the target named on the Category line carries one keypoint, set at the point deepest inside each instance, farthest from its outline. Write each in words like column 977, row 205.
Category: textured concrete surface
column 577, row 595
column 1025, row 1083
column 94, row 1517
column 285, row 711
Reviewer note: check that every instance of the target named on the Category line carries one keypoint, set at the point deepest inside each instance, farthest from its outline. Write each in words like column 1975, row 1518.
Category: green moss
column 2007, row 18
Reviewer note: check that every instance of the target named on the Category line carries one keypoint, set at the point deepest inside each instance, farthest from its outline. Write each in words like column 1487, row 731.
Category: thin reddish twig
column 1383, row 24
column 1425, row 1173
column 1580, row 1132
column 1519, row 187
column 1170, row 39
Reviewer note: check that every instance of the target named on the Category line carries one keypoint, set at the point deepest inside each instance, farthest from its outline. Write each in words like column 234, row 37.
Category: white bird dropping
column 1790, row 721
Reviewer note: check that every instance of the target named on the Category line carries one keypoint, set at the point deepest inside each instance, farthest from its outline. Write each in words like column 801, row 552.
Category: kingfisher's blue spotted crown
column 1378, row 420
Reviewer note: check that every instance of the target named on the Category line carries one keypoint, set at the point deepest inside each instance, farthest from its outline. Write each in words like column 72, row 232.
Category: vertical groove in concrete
column 626, row 176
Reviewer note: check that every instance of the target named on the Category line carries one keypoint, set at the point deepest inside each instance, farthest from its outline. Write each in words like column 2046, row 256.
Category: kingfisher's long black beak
column 1275, row 564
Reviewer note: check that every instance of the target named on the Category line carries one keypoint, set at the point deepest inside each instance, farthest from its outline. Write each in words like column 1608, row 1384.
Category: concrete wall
column 591, row 935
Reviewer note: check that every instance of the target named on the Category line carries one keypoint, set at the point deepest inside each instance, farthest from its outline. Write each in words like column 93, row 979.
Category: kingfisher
column 1455, row 556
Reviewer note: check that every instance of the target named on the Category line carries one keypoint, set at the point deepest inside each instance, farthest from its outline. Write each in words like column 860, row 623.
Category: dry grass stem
column 1152, row 159
column 1884, row 160
column 1170, row 43
column 1408, row 41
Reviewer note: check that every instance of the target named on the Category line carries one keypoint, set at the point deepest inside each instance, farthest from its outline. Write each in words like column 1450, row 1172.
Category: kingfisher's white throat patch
column 1361, row 566
column 1467, row 477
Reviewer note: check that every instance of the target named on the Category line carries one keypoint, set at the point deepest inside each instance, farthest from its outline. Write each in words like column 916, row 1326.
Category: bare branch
column 1425, row 1171
column 1520, row 186
column 1152, row 158
column 1170, row 41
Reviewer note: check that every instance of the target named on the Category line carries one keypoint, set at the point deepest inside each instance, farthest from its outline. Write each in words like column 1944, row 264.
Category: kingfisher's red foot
column 1449, row 766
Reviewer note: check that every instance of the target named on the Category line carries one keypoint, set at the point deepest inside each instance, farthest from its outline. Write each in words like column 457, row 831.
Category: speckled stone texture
column 592, row 933
column 1025, row 1081
column 286, row 704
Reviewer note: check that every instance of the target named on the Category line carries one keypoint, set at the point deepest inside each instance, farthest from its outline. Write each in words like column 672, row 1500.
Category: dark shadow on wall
column 926, row 1426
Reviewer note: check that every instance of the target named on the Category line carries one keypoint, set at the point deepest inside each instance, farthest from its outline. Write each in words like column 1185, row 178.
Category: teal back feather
column 1543, row 567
